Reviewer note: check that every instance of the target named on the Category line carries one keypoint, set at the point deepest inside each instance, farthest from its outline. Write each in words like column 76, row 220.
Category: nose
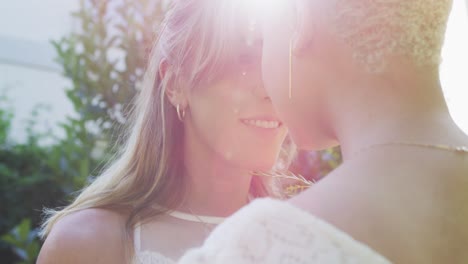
column 260, row 91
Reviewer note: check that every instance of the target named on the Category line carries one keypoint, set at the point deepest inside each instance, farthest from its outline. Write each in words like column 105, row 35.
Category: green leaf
column 23, row 229
column 33, row 250
column 10, row 239
column 84, row 168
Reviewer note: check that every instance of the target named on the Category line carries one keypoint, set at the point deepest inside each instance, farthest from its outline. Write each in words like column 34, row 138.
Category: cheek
column 215, row 122
column 214, row 117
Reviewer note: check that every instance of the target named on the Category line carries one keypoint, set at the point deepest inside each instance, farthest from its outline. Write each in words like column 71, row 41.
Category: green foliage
column 6, row 116
column 26, row 185
column 314, row 165
column 105, row 60
column 24, row 242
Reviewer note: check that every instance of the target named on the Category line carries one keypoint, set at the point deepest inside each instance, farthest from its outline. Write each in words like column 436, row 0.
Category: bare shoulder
column 88, row 236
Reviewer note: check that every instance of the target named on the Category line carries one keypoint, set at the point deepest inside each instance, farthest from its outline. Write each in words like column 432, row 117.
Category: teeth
column 262, row 123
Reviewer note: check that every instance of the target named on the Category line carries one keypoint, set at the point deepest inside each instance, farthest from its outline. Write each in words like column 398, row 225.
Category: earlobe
column 173, row 91
column 162, row 69
column 176, row 96
column 169, row 90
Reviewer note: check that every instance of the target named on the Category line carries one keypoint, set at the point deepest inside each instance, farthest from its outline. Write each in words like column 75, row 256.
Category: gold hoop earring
column 290, row 67
column 180, row 113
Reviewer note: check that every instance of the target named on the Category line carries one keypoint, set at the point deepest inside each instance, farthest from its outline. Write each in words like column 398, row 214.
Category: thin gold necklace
column 456, row 149
column 208, row 228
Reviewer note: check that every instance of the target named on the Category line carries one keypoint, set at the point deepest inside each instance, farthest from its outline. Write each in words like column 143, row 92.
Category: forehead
column 247, row 26
column 226, row 29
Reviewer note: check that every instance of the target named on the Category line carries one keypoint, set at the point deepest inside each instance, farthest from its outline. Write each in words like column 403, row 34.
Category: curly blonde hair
column 378, row 29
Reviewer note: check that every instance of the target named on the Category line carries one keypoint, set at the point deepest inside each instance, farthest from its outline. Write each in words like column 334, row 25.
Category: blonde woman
column 202, row 123
column 364, row 74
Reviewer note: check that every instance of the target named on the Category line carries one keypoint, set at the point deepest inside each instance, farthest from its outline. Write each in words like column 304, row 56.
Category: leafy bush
column 27, row 183
column 24, row 242
column 104, row 60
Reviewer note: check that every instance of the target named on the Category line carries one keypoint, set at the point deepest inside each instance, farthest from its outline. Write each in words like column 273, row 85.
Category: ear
column 174, row 91
column 304, row 29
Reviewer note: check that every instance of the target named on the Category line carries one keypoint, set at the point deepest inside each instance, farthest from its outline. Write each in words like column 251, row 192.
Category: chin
column 262, row 165
column 263, row 168
column 313, row 143
column 251, row 162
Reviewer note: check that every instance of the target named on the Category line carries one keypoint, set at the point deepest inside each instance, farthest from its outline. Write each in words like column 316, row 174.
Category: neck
column 215, row 187
column 385, row 110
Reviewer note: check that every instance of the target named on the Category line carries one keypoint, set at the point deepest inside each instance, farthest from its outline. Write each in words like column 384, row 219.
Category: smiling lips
column 262, row 123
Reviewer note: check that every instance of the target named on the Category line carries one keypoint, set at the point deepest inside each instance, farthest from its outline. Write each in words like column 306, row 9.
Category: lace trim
column 264, row 233
column 197, row 218
column 152, row 257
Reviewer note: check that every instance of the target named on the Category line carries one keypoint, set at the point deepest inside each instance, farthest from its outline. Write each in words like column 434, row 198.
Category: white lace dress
column 274, row 232
column 151, row 257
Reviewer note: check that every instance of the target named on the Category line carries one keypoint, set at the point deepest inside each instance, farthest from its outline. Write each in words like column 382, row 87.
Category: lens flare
column 263, row 10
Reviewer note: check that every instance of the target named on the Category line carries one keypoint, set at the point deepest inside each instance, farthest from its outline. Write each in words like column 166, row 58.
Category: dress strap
column 137, row 237
column 197, row 218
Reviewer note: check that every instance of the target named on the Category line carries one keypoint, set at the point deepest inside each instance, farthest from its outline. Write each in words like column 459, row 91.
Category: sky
column 454, row 68
column 28, row 72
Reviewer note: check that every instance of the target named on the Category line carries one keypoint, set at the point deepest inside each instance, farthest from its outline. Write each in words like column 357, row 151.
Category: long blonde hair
column 195, row 39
